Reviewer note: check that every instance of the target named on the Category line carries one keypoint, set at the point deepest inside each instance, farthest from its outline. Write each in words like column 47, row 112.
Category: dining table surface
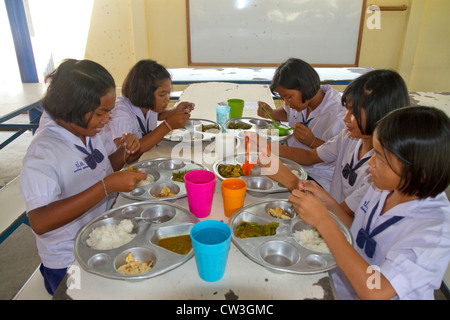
column 243, row 279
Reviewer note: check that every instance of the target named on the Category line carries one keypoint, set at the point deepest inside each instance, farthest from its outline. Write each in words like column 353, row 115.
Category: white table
column 243, row 278
column 334, row 76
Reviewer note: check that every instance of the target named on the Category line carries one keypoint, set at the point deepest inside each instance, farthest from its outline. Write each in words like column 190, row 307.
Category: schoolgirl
column 314, row 111
column 68, row 173
column 144, row 100
column 401, row 228
column 367, row 99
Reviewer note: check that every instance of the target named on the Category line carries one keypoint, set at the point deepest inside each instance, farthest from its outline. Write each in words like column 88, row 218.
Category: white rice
column 311, row 240
column 111, row 236
column 150, row 179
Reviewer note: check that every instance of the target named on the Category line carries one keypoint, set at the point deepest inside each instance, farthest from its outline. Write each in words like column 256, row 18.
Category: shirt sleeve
column 39, row 183
column 122, row 122
column 354, row 199
column 329, row 151
column 415, row 266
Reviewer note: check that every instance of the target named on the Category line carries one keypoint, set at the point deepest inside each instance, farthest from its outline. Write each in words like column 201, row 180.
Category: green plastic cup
column 236, row 107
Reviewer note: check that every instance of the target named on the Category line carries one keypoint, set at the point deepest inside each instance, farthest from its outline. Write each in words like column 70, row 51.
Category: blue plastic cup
column 222, row 115
column 211, row 243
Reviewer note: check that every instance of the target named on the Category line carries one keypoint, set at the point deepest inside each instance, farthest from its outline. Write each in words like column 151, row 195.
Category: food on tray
column 230, row 170
column 212, row 128
column 165, row 192
column 149, row 180
column 239, row 125
column 133, row 267
column 111, row 236
column 176, row 132
column 279, row 213
column 296, row 173
column 179, row 176
column 273, row 131
column 253, row 229
column 132, row 168
column 179, row 244
column 311, row 239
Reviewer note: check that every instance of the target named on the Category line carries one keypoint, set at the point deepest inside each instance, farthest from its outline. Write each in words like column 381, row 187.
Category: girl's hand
column 272, row 167
column 179, row 118
column 130, row 143
column 124, row 180
column 309, row 207
column 186, row 107
column 313, row 188
column 303, row 134
column 261, row 112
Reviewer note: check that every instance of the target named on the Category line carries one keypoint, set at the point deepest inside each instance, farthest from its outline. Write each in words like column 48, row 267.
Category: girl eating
column 68, row 176
column 402, row 225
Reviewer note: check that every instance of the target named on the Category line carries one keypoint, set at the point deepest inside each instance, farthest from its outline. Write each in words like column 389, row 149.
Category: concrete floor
column 18, row 254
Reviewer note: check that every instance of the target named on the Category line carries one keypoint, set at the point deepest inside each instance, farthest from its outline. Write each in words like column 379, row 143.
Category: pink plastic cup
column 200, row 185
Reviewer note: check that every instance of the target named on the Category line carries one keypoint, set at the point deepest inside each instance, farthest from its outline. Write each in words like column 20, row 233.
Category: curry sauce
column 179, row 244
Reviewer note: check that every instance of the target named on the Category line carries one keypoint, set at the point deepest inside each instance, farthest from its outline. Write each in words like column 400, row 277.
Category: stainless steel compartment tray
column 281, row 252
column 258, row 125
column 161, row 169
column 168, row 220
column 192, row 131
column 258, row 184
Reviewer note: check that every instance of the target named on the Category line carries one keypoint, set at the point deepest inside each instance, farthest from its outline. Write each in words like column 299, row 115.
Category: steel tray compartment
column 193, row 131
column 257, row 184
column 258, row 125
column 161, row 219
column 162, row 169
column 281, row 252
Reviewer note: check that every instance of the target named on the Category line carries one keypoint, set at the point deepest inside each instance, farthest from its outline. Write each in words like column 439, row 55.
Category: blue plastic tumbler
column 222, row 115
column 211, row 243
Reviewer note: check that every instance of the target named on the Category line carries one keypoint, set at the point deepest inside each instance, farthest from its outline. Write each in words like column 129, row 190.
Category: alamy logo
column 374, row 280
column 74, row 278
column 374, row 20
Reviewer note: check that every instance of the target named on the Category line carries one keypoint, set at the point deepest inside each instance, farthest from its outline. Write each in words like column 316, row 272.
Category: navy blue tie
column 349, row 171
column 365, row 237
column 306, row 123
column 145, row 129
column 93, row 157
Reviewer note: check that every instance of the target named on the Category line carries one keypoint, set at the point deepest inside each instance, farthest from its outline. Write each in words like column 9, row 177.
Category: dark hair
column 142, row 81
column 75, row 89
column 420, row 138
column 378, row 92
column 296, row 74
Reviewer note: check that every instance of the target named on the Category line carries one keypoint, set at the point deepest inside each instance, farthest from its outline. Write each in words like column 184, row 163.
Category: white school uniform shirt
column 124, row 119
column 326, row 121
column 54, row 169
column 413, row 254
column 340, row 151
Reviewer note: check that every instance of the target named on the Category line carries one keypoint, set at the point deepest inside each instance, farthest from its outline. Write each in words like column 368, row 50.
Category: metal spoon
column 156, row 220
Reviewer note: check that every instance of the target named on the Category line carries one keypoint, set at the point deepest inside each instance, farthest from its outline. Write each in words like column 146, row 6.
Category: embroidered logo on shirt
column 365, row 205
column 80, row 165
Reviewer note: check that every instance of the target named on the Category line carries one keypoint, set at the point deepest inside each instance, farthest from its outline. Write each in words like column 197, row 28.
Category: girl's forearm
column 62, row 212
column 354, row 267
column 118, row 158
column 301, row 156
column 154, row 137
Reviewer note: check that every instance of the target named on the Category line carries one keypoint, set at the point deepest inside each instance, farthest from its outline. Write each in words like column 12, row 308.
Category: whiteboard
column 267, row 32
